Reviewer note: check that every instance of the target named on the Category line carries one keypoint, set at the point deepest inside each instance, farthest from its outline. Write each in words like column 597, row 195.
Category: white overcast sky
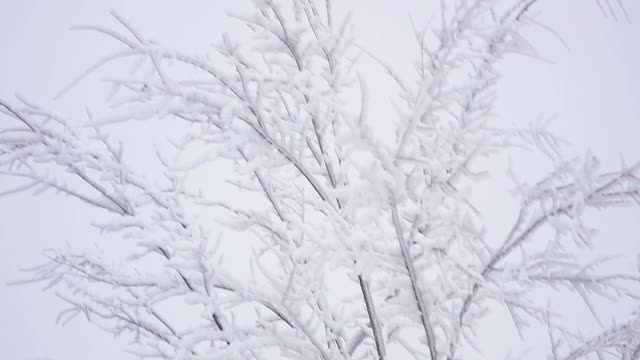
column 591, row 89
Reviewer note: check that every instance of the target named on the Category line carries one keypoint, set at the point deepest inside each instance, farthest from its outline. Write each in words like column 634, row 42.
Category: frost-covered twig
column 357, row 247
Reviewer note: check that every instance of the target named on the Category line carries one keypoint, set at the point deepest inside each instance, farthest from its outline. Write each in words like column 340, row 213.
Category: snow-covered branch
column 357, row 248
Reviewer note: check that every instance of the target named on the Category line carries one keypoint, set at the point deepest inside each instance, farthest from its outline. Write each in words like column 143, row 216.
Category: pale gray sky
column 592, row 89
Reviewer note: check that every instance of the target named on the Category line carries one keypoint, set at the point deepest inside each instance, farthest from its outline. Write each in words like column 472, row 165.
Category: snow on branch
column 357, row 248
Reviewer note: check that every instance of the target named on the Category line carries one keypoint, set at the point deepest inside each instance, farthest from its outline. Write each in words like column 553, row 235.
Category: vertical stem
column 413, row 276
column 373, row 318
